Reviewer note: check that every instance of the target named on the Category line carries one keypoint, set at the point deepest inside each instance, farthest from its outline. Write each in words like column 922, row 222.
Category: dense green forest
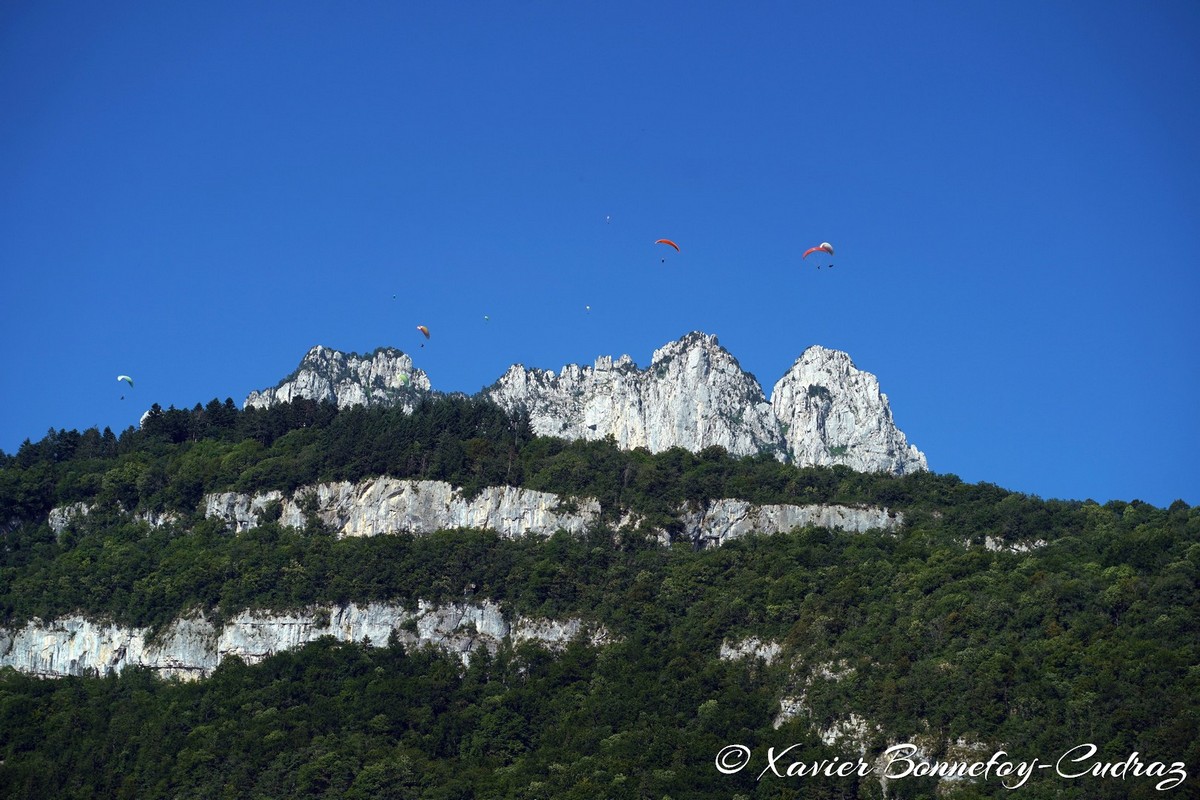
column 1091, row 637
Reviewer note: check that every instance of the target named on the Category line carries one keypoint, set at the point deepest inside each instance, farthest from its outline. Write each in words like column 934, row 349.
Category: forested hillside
column 988, row 621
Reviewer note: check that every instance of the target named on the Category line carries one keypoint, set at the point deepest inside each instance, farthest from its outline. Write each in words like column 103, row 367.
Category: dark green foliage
column 1091, row 636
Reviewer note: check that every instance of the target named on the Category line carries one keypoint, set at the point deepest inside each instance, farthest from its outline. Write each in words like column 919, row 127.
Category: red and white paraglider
column 823, row 247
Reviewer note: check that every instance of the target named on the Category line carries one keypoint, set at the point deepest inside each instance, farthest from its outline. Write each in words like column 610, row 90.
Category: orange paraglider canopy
column 824, row 247
column 668, row 242
column 423, row 330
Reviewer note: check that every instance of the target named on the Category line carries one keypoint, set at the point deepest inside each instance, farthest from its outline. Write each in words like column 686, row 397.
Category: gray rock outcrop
column 722, row 520
column 385, row 505
column 390, row 505
column 833, row 413
column 750, row 648
column 384, row 377
column 693, row 395
column 62, row 516
column 192, row 647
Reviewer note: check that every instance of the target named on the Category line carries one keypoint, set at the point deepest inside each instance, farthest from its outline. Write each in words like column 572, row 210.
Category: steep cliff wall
column 192, row 647
column 693, row 395
column 834, row 413
column 723, row 520
column 390, row 505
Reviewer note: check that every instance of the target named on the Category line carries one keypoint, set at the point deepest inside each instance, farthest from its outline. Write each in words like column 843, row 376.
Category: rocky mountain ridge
column 694, row 394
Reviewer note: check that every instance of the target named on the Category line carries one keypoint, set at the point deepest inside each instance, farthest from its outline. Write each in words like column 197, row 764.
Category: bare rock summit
column 384, row 377
column 694, row 394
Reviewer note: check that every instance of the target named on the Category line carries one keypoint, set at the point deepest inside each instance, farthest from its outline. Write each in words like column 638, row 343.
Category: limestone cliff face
column 193, row 647
column 62, row 516
column 384, row 377
column 389, row 505
column 723, row 520
column 750, row 648
column 693, row 395
column 834, row 413
column 78, row 646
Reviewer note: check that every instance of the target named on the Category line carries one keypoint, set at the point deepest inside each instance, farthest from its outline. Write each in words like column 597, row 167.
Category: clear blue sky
column 196, row 193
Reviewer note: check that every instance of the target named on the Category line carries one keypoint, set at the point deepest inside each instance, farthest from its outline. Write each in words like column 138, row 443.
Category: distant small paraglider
column 425, row 331
column 486, row 318
column 127, row 379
